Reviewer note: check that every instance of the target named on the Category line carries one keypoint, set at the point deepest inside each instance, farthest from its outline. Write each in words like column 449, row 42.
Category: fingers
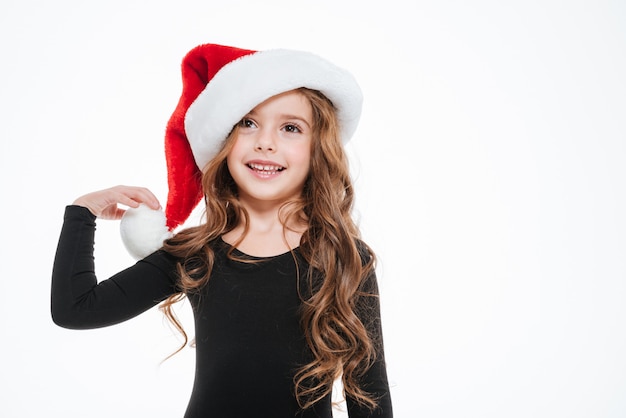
column 104, row 203
column 134, row 196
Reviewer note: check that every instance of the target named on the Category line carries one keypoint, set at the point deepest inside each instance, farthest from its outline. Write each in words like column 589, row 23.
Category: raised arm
column 78, row 300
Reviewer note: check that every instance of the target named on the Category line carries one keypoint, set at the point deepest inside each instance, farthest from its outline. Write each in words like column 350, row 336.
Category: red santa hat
column 221, row 84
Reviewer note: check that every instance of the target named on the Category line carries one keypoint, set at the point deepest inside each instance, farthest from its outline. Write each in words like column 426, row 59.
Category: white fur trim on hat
column 244, row 83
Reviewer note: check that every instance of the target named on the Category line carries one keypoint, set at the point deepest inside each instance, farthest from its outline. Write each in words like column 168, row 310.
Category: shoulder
column 162, row 260
column 365, row 252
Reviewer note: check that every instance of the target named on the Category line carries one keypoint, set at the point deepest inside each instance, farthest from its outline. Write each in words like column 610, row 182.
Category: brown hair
column 333, row 289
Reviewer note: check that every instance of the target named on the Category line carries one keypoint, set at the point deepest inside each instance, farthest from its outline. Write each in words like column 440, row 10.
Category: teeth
column 262, row 167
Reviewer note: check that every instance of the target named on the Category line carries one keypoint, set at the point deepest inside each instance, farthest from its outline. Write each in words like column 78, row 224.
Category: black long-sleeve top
column 249, row 341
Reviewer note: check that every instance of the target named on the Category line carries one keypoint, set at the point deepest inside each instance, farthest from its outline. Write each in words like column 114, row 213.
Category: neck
column 267, row 233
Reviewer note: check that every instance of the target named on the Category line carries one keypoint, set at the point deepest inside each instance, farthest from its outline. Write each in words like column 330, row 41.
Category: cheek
column 301, row 154
column 235, row 151
column 232, row 163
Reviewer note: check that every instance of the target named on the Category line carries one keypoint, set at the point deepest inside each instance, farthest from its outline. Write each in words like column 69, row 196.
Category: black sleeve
column 374, row 380
column 78, row 301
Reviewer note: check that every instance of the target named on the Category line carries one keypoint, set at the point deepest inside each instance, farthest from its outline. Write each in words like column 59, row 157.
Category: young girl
column 283, row 291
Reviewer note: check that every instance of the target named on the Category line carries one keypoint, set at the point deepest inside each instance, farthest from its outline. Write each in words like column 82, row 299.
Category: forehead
column 290, row 102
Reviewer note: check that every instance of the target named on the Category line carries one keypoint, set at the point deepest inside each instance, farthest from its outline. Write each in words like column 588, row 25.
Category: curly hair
column 334, row 301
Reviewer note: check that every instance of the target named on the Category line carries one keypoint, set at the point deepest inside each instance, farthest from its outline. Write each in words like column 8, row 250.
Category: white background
column 491, row 176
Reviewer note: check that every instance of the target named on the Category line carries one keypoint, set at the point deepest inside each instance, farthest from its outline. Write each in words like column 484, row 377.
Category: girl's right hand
column 104, row 203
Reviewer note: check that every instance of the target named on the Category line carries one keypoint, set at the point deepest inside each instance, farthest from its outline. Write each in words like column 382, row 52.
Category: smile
column 265, row 169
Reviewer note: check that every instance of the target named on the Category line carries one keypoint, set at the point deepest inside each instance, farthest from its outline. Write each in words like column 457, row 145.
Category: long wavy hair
column 334, row 301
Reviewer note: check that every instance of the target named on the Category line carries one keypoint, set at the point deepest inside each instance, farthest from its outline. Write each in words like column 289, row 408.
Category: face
column 271, row 154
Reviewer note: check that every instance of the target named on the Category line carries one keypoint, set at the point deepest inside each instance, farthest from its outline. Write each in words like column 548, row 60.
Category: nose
column 265, row 141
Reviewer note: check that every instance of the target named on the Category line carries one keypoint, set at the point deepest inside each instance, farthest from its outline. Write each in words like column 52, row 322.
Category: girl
column 283, row 291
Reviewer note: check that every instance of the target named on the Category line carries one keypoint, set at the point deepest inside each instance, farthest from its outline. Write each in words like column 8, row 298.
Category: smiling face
column 271, row 154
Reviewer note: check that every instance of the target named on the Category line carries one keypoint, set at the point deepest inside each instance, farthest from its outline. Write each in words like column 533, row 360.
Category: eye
column 247, row 123
column 292, row 128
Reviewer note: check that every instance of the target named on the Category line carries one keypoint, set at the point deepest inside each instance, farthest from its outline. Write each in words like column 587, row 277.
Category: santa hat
column 221, row 84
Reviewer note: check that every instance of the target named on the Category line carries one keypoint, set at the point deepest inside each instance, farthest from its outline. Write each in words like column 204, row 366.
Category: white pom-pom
column 143, row 230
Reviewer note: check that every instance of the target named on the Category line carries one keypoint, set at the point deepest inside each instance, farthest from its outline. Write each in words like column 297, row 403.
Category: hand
column 104, row 203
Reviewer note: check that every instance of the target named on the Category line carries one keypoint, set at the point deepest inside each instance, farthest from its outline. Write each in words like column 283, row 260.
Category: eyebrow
column 306, row 122
column 287, row 116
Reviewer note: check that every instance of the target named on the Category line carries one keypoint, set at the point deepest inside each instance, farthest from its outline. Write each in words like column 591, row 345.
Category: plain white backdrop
column 490, row 167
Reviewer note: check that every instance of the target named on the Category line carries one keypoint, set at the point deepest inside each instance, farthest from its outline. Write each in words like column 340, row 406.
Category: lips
column 265, row 168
